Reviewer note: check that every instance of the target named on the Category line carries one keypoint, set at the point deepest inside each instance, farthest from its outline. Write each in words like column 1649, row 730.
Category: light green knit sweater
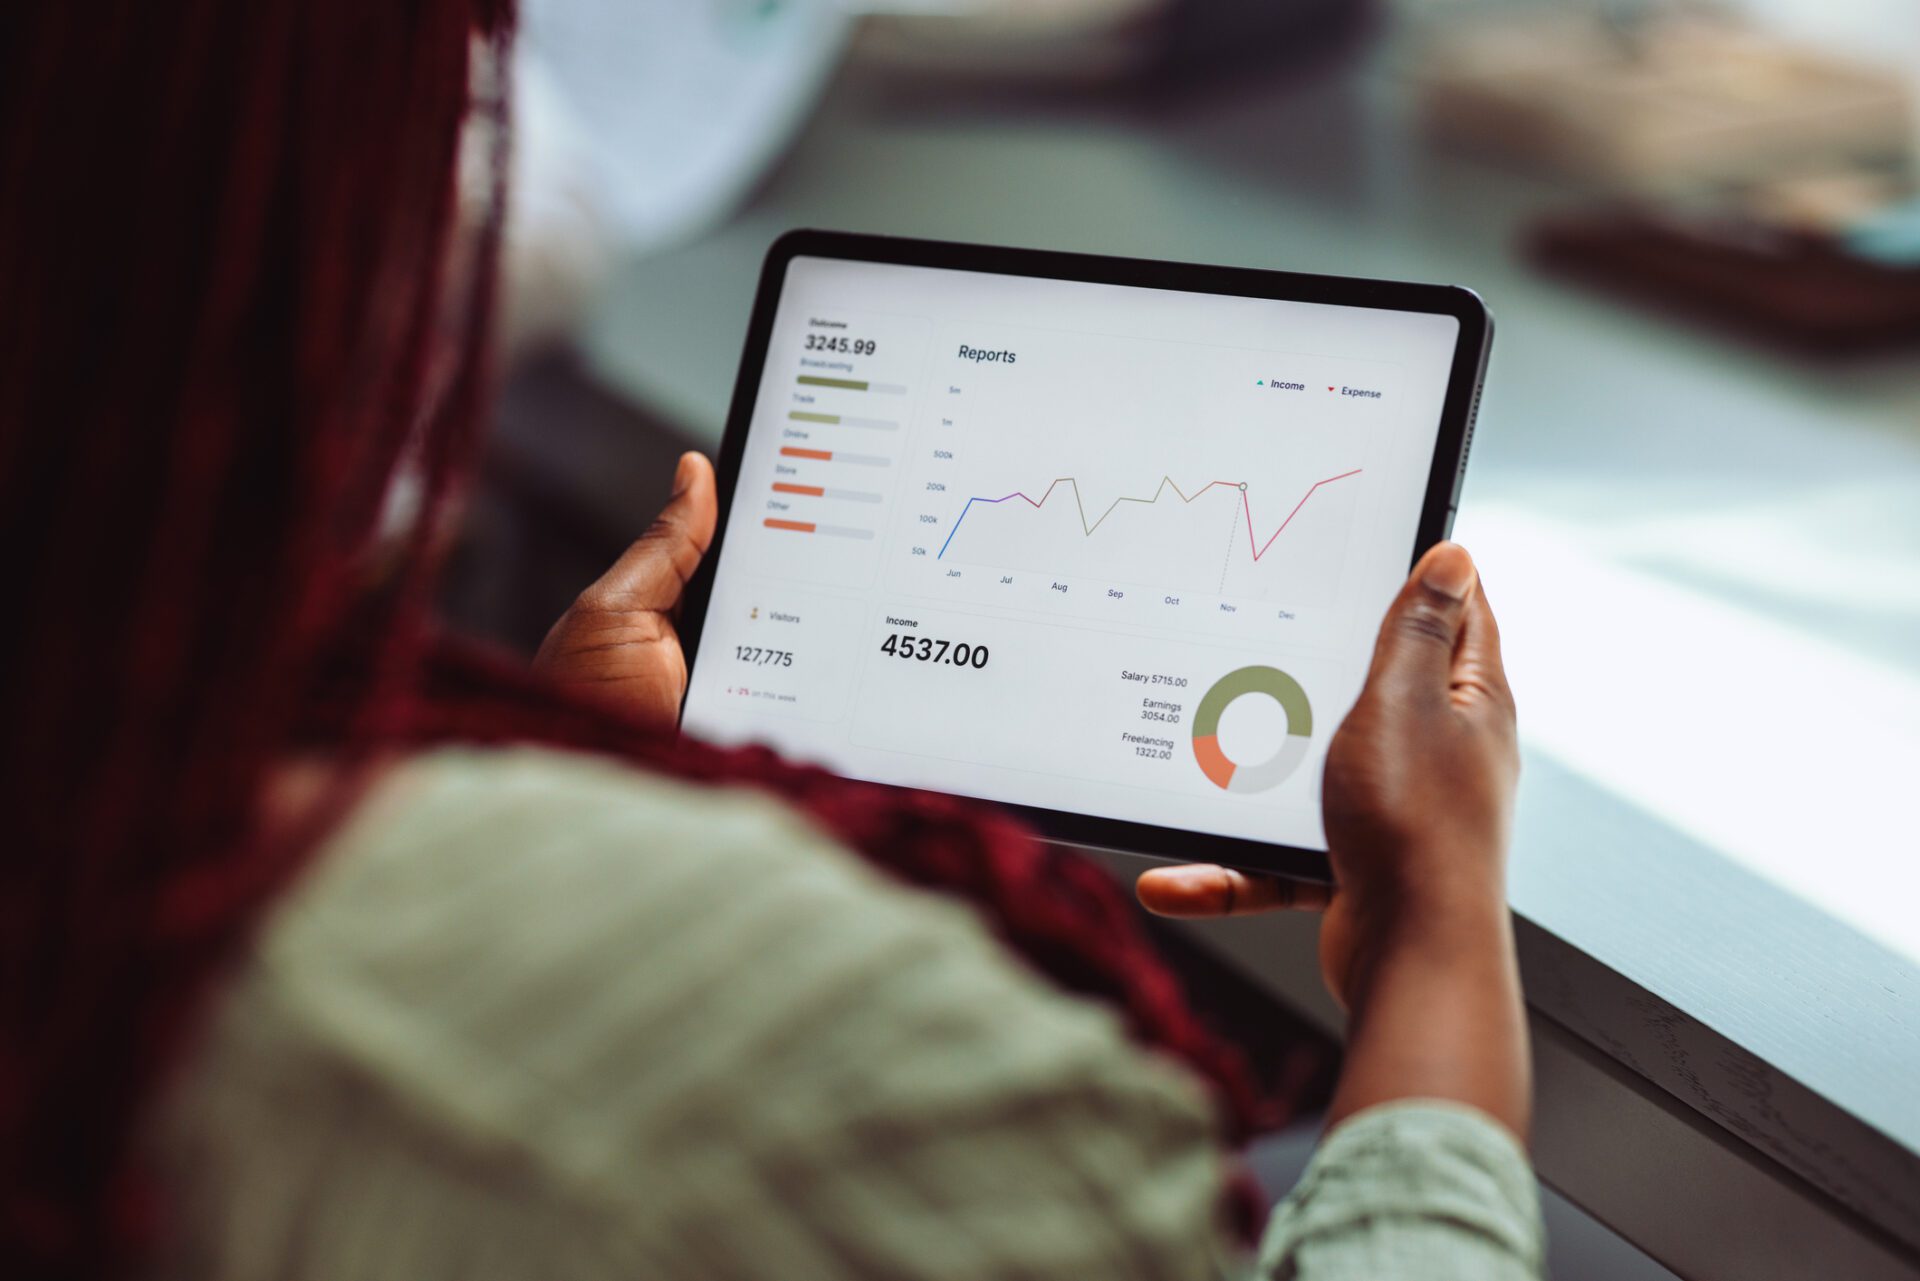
column 534, row 1016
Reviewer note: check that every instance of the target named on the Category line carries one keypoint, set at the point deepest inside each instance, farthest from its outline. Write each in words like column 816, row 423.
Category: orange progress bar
column 794, row 451
column 797, row 526
column 781, row 487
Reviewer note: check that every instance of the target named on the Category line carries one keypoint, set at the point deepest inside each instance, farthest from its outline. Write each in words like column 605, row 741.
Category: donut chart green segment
column 1260, row 776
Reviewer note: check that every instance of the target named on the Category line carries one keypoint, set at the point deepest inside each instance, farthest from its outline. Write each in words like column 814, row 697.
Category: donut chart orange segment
column 1213, row 762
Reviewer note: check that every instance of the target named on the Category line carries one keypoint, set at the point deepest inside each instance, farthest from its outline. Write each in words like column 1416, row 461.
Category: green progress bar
column 845, row 384
column 842, row 420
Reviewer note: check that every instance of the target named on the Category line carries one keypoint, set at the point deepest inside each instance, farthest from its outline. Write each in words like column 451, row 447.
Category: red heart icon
column 1329, row 389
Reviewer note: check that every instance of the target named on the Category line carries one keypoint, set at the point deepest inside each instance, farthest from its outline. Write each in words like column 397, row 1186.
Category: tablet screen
column 1097, row 549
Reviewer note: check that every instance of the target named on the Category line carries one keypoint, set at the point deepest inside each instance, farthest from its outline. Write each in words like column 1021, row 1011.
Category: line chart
column 1258, row 548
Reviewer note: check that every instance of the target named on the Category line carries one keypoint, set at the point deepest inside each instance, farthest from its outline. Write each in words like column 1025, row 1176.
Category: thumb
column 653, row 572
column 1478, row 669
column 1413, row 658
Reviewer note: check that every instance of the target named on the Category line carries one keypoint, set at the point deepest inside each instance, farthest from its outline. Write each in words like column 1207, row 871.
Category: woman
column 335, row 948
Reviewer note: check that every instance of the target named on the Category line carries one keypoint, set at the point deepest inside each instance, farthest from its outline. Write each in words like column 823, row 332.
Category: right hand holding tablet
column 1418, row 802
column 1421, row 776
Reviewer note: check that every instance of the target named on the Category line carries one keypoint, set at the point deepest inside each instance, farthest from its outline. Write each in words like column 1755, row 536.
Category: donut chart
column 1232, row 776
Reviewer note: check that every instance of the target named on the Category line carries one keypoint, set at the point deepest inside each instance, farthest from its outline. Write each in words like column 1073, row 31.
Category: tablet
column 1106, row 541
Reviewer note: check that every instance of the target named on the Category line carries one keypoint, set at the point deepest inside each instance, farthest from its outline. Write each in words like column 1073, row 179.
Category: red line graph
column 1254, row 545
column 1290, row 515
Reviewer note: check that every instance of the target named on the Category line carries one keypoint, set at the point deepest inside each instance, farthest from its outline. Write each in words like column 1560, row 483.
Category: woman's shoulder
column 555, row 957
column 457, row 835
column 550, row 887
column 531, row 866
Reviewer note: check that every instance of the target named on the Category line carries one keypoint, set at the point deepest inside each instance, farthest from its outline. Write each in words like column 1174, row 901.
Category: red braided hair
column 226, row 288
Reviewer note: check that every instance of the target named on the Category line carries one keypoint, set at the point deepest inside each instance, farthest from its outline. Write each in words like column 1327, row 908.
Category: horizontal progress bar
column 843, row 420
column 852, row 384
column 809, row 527
column 835, row 456
column 822, row 491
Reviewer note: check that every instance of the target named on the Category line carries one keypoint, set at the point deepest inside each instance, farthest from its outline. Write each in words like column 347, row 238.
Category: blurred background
column 1695, row 483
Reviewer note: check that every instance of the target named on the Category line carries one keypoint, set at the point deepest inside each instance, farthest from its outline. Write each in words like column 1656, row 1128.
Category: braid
column 228, row 261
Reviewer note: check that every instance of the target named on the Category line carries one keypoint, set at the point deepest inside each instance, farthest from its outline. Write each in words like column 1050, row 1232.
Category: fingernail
column 1449, row 571
column 682, row 474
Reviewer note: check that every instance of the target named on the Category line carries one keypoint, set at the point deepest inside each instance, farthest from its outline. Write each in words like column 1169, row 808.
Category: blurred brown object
column 1662, row 100
column 1795, row 287
column 1078, row 44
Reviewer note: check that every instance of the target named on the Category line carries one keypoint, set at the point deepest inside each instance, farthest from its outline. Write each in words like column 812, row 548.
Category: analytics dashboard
column 1093, row 548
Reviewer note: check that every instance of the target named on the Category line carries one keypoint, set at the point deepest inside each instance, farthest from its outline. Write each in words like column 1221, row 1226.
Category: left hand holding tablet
column 618, row 639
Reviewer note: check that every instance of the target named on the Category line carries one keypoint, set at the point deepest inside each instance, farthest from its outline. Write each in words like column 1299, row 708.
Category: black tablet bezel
column 1457, row 413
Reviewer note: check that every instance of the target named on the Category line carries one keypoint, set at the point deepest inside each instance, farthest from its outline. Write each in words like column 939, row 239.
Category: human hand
column 618, row 638
column 1418, row 791
column 1418, row 801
